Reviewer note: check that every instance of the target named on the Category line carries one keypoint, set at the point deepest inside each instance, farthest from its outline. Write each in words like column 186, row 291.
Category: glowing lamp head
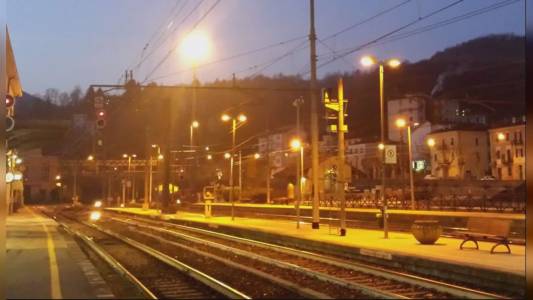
column 227, row 155
column 195, row 124
column 381, row 146
column 501, row 136
column 97, row 203
column 257, row 156
column 18, row 161
column 368, row 61
column 209, row 157
column 400, row 123
column 225, row 117
column 90, row 157
column 431, row 142
column 134, row 155
column 242, row 118
column 195, row 47
column 58, row 177
column 58, row 184
column 207, row 148
column 394, row 63
column 124, row 155
column 160, row 157
column 296, row 144
column 95, row 215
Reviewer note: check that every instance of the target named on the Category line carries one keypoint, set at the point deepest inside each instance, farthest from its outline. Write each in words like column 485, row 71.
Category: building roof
column 461, row 127
column 13, row 80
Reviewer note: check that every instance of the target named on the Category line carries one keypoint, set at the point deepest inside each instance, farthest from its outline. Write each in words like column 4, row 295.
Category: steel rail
column 454, row 290
column 111, row 262
column 364, row 289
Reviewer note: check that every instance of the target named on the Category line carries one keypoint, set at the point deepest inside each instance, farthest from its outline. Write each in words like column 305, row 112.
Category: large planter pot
column 426, row 232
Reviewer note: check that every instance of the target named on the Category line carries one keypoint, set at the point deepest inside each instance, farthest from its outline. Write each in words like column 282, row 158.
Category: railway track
column 369, row 280
column 153, row 274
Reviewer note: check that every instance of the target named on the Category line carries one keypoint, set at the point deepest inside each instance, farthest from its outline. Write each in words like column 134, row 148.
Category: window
column 451, row 141
column 498, row 154
column 477, row 142
column 516, row 153
column 478, row 157
column 435, row 158
column 521, row 152
column 521, row 172
column 507, row 136
column 508, row 155
column 499, row 173
column 510, row 171
column 520, row 136
column 514, row 138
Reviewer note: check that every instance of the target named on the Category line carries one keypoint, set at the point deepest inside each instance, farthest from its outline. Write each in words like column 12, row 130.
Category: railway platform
column 400, row 250
column 42, row 262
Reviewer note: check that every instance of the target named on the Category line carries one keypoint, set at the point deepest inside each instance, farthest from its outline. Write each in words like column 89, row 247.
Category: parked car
column 488, row 177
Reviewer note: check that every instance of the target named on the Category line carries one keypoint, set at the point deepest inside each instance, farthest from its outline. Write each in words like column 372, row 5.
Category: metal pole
column 268, row 170
column 314, row 117
column 150, row 183
column 411, row 180
column 240, row 176
column 75, row 184
column 299, row 163
column 190, row 140
column 341, row 179
column 233, row 128
column 382, row 110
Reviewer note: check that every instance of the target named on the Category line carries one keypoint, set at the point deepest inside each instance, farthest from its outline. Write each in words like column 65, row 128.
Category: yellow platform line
column 55, row 284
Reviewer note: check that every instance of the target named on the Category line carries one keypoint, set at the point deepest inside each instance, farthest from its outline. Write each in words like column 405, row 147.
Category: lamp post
column 401, row 123
column 241, row 119
column 297, row 145
column 194, row 125
column 368, row 61
column 132, row 180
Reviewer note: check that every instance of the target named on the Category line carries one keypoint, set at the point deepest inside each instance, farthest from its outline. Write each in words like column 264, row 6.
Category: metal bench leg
column 469, row 239
column 504, row 243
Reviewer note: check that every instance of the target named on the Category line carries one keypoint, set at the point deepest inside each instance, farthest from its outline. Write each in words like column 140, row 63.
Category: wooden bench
column 485, row 229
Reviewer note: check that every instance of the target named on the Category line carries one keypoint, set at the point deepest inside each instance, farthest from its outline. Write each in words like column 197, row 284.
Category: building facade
column 459, row 153
column 508, row 152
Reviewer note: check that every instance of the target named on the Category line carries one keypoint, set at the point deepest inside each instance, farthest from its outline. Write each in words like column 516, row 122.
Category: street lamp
column 297, row 145
column 368, row 61
column 431, row 142
column 225, row 118
column 401, row 123
column 501, row 136
column 130, row 157
column 257, row 156
column 90, row 158
column 194, row 125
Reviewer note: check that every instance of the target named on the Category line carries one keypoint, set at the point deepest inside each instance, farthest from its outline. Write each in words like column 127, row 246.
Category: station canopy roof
column 14, row 86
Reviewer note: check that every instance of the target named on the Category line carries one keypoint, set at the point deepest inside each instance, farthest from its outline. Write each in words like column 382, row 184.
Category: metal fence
column 459, row 196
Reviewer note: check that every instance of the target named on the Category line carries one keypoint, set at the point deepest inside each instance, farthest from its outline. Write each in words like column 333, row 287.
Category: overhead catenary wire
column 352, row 50
column 436, row 25
column 209, row 10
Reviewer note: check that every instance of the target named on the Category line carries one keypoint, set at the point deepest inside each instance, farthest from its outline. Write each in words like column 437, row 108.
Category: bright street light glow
column 97, row 203
column 257, row 156
column 209, row 157
column 95, row 216
column 207, row 148
column 9, row 177
column 195, row 47
column 58, row 184
column 134, row 155
column 160, row 157
column 296, row 144
column 394, row 63
column 431, row 142
column 90, row 157
column 400, row 123
column 501, row 136
column 125, row 155
column 227, row 155
column 225, row 118
column 18, row 161
column 58, row 177
column 154, row 146
column 242, row 118
column 195, row 124
column 381, row 146
column 368, row 61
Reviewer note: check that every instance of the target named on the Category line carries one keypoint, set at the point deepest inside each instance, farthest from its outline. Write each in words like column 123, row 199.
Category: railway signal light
column 100, row 119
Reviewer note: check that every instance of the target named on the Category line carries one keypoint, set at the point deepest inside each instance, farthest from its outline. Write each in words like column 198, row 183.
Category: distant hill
column 488, row 69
